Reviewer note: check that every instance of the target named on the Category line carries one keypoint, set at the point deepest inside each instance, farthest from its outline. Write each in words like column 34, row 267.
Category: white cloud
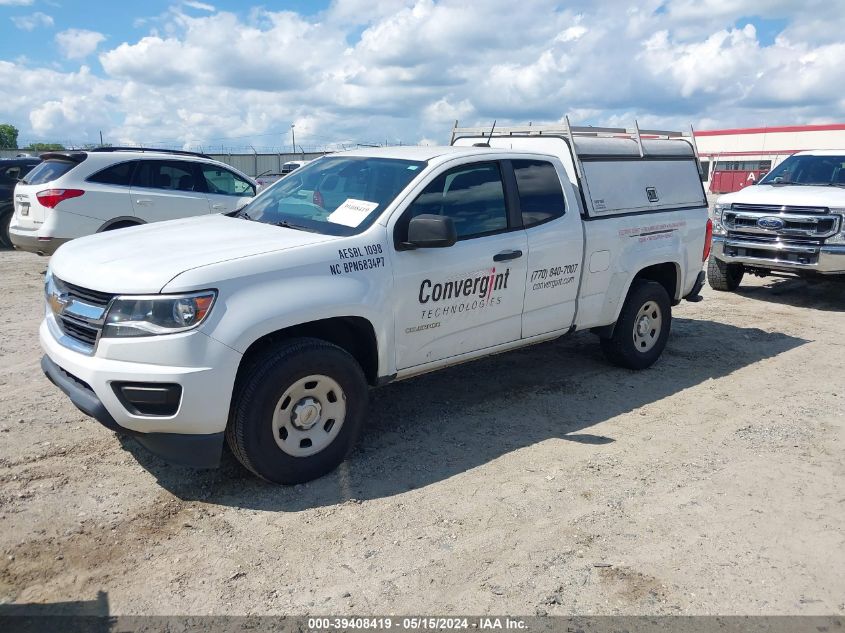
column 15, row 3
column 78, row 43
column 33, row 21
column 364, row 71
column 199, row 6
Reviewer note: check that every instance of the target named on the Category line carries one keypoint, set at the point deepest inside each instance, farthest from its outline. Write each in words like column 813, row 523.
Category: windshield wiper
column 297, row 227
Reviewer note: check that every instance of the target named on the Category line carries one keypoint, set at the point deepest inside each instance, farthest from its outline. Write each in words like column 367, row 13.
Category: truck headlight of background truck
column 718, row 209
column 157, row 314
column 839, row 238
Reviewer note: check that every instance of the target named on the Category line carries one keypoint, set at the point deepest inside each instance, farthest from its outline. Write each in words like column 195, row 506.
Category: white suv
column 76, row 193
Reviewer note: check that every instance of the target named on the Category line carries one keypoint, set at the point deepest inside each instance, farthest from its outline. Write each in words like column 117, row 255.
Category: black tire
column 259, row 391
column 723, row 276
column 621, row 348
column 5, row 222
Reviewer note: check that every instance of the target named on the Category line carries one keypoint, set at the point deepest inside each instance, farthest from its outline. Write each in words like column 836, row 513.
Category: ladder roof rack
column 561, row 129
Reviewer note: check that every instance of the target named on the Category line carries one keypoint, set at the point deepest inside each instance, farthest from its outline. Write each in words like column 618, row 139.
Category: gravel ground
column 539, row 481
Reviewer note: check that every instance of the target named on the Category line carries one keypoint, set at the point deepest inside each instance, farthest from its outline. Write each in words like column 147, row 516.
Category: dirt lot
column 540, row 481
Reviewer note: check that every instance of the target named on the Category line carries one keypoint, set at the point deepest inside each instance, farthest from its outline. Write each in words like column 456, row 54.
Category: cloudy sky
column 226, row 73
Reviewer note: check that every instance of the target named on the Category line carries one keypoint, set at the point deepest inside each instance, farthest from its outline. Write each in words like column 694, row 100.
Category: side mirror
column 431, row 231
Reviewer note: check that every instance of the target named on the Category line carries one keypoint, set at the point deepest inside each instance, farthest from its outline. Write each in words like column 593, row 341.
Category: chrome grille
column 802, row 225
column 79, row 312
column 93, row 297
column 775, row 209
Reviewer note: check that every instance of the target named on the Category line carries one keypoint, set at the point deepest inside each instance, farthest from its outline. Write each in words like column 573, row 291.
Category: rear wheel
column 723, row 276
column 641, row 332
column 5, row 222
column 297, row 411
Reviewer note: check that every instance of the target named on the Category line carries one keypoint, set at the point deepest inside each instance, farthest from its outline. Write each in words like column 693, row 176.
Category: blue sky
column 196, row 73
column 118, row 20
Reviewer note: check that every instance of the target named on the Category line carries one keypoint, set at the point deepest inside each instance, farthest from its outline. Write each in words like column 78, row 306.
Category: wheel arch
column 354, row 334
column 667, row 274
column 129, row 219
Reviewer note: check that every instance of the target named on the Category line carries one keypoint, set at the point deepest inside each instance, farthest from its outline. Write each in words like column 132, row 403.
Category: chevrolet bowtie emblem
column 58, row 302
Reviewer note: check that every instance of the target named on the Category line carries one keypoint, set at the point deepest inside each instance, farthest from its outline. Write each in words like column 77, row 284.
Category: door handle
column 144, row 202
column 218, row 207
column 507, row 255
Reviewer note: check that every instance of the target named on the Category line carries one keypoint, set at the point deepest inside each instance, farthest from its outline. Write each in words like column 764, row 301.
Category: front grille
column 798, row 225
column 75, row 319
column 822, row 226
column 93, row 297
column 79, row 330
column 774, row 209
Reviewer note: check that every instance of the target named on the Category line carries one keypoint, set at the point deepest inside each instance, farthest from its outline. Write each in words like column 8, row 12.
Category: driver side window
column 472, row 195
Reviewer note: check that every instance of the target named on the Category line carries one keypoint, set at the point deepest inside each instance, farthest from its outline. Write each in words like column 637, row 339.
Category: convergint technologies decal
column 462, row 296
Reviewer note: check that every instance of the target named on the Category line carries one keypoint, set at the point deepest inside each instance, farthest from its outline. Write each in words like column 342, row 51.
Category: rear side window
column 540, row 193
column 166, row 174
column 48, row 171
column 120, row 174
column 11, row 173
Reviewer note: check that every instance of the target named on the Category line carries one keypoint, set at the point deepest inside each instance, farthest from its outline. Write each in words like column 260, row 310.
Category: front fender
column 248, row 309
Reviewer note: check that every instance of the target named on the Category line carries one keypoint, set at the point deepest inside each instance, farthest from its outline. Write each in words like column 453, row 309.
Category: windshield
column 808, row 170
column 335, row 195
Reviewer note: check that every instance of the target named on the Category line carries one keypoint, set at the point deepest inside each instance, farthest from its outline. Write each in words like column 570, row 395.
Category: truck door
column 468, row 296
column 555, row 248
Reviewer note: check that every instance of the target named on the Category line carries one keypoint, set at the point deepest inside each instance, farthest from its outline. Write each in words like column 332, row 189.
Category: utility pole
column 292, row 138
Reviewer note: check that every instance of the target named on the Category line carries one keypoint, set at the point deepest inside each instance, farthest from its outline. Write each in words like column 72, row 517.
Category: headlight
column 718, row 209
column 839, row 238
column 157, row 314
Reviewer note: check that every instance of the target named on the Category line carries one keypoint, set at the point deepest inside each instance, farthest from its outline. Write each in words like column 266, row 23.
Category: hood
column 788, row 195
column 143, row 259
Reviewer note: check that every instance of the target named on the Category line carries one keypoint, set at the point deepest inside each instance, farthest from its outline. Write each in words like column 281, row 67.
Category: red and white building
column 733, row 159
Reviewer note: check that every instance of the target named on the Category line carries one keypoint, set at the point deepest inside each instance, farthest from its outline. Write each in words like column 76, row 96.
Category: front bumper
column 824, row 260
column 197, row 451
column 194, row 434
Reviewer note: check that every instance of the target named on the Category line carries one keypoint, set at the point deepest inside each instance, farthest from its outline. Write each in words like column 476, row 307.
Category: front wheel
column 297, row 410
column 723, row 276
column 641, row 332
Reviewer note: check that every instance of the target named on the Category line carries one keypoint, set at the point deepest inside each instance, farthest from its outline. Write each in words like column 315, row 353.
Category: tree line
column 9, row 140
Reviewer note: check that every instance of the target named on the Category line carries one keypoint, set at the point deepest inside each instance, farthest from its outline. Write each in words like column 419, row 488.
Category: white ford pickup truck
column 268, row 326
column 792, row 222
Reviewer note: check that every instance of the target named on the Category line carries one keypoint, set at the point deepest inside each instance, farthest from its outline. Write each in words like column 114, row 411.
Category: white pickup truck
column 792, row 222
column 360, row 268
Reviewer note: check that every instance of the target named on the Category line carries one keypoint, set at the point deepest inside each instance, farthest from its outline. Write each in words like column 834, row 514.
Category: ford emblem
column 772, row 224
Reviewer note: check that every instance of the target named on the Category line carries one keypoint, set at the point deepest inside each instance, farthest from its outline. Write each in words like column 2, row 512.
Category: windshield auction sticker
column 352, row 212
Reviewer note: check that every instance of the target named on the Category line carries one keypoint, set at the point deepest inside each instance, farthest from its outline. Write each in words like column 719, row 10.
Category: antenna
column 489, row 136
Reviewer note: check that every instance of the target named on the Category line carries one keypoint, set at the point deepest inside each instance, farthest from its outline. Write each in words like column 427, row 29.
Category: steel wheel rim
column 309, row 415
column 647, row 326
